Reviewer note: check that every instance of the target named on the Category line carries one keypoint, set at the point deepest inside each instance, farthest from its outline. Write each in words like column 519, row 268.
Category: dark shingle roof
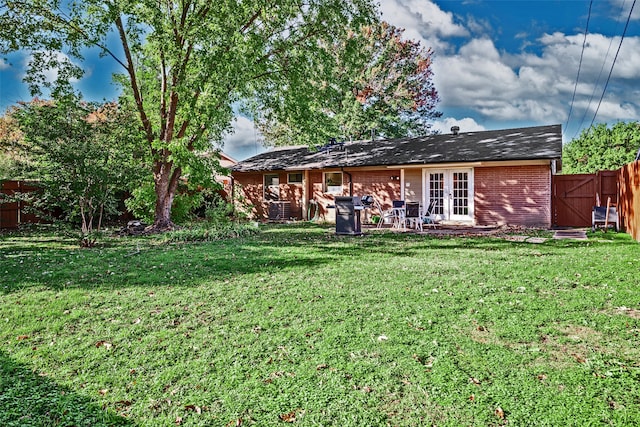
column 531, row 143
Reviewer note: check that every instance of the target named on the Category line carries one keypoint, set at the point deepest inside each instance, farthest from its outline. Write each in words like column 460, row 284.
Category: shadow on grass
column 146, row 262
column 28, row 399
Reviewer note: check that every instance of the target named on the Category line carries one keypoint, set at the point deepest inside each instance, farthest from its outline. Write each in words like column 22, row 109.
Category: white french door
column 452, row 189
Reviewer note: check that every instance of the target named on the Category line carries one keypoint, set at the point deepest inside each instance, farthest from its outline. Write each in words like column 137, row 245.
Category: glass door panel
column 452, row 189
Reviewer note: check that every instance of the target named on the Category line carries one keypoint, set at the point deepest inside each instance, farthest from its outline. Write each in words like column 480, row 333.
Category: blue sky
column 498, row 64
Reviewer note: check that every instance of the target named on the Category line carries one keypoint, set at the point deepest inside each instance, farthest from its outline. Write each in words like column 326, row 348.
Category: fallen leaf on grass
column 291, row 416
column 22, row 337
column 102, row 391
column 235, row 423
column 194, row 408
column 178, row 421
column 499, row 412
column 104, row 344
column 474, row 381
column 579, row 358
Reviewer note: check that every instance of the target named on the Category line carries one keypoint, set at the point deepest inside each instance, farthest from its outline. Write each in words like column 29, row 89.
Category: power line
column 584, row 43
column 614, row 62
column 595, row 86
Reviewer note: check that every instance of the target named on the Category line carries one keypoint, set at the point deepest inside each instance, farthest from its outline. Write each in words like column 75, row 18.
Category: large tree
column 187, row 63
column 383, row 86
column 602, row 148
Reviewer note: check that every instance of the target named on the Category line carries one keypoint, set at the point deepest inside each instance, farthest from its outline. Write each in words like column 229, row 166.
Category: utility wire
column 595, row 86
column 614, row 61
column 584, row 43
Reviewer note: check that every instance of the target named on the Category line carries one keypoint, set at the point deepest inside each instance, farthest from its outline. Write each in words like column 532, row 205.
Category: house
column 496, row 177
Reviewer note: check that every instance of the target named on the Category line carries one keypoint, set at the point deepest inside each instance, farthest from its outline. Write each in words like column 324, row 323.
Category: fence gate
column 573, row 196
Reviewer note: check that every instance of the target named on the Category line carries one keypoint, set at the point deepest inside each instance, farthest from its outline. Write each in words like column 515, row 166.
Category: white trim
column 265, row 186
column 447, row 214
column 492, row 163
column 335, row 189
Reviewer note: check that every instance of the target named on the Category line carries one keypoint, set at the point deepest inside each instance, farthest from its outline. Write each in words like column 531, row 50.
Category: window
column 333, row 182
column 271, row 187
column 295, row 178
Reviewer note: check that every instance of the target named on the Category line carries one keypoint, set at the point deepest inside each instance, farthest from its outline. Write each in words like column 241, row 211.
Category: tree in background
column 383, row 85
column 602, row 148
column 187, row 63
column 11, row 148
column 82, row 155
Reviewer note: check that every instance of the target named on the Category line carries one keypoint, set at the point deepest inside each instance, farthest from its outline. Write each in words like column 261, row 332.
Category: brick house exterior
column 480, row 178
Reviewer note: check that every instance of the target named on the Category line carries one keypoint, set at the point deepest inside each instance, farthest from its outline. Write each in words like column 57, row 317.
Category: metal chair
column 429, row 214
column 413, row 216
column 399, row 214
column 384, row 214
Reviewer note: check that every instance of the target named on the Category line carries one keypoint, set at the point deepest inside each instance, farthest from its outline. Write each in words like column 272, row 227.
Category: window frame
column 332, row 189
column 289, row 181
column 269, row 188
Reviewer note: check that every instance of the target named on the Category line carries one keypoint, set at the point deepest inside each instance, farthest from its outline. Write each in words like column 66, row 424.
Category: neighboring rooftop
column 531, row 143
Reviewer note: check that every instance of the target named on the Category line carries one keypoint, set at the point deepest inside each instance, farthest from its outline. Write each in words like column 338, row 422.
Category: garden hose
column 316, row 212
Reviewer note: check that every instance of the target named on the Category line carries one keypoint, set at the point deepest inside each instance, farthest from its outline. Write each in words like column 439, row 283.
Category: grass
column 295, row 325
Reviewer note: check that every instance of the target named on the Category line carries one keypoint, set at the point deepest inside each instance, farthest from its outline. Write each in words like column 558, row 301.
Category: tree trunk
column 166, row 184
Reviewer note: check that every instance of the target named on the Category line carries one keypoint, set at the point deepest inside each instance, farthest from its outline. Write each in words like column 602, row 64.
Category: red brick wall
column 377, row 183
column 513, row 195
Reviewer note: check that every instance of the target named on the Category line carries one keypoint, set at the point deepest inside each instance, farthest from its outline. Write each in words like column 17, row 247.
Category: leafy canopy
column 602, row 148
column 381, row 84
column 187, row 63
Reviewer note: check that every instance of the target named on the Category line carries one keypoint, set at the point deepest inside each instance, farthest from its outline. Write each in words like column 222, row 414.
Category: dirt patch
column 572, row 345
column 626, row 311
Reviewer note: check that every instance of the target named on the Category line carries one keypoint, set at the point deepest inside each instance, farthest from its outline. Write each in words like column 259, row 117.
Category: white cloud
column 51, row 72
column 477, row 80
column 423, row 21
column 4, row 65
column 621, row 8
column 466, row 125
column 244, row 140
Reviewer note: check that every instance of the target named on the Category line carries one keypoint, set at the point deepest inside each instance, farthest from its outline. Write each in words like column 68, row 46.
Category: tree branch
column 146, row 124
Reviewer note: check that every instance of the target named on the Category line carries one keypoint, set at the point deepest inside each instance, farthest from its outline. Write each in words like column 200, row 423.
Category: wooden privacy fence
column 574, row 196
column 629, row 202
column 13, row 214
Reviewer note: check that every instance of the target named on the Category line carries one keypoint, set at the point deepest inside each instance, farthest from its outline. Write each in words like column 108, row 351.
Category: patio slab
column 571, row 233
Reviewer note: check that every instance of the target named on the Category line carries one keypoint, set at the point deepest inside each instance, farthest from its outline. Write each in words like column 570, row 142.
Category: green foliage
column 186, row 64
column 217, row 210
column 142, row 203
column 602, row 148
column 210, row 231
column 378, row 83
column 294, row 321
column 81, row 154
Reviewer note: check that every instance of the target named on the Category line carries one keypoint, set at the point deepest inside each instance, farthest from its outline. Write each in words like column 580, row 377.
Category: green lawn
column 298, row 326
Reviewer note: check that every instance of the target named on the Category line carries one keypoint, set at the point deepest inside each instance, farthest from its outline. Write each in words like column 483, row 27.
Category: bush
column 206, row 233
column 143, row 201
